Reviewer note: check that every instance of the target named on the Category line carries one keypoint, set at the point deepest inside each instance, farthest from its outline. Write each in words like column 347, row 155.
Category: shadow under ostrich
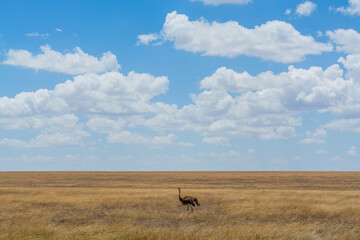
column 188, row 201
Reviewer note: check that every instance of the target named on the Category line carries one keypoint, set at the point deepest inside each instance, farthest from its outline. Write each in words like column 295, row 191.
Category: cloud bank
column 230, row 104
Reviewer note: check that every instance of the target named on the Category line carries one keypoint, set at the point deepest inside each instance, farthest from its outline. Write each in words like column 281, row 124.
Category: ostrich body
column 188, row 201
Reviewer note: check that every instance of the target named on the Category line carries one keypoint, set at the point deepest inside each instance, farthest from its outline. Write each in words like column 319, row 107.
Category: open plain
column 145, row 205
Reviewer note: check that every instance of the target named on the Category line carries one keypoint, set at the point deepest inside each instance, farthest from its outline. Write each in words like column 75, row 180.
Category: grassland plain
column 145, row 205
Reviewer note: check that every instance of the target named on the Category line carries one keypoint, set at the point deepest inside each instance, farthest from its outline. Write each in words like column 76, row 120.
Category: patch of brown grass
column 145, row 205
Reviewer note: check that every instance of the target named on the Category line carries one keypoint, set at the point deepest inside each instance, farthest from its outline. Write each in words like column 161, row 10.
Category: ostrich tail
column 197, row 202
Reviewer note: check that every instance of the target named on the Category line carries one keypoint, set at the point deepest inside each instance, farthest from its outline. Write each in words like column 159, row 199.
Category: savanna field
column 145, row 205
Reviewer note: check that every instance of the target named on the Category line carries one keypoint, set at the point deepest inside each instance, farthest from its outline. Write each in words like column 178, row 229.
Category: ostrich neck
column 179, row 195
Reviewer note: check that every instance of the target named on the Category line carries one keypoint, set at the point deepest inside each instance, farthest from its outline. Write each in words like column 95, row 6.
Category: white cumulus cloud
column 275, row 40
column 147, row 38
column 295, row 90
column 108, row 93
column 316, row 137
column 347, row 40
column 58, row 130
column 305, row 8
column 349, row 125
column 352, row 9
column 78, row 62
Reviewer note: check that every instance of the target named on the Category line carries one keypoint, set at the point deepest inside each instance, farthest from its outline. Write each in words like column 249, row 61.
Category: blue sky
column 180, row 85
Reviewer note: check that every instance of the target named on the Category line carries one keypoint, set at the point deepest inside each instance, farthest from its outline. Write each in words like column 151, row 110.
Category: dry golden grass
column 145, row 205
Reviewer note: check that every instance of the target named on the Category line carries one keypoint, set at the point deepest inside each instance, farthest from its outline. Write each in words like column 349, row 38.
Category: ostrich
column 188, row 201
